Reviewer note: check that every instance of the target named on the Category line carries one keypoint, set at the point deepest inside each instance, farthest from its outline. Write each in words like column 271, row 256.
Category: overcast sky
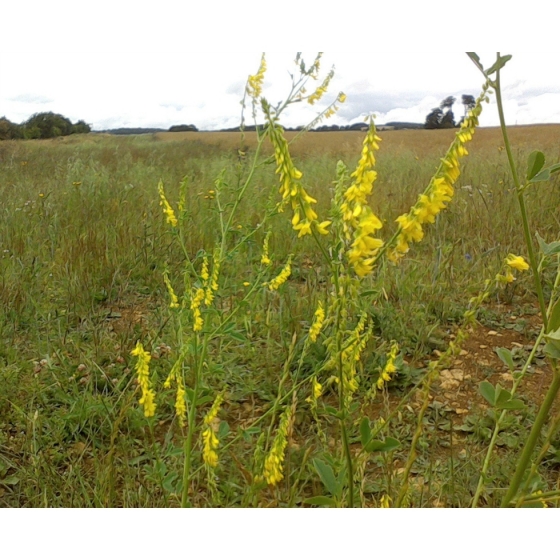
column 113, row 69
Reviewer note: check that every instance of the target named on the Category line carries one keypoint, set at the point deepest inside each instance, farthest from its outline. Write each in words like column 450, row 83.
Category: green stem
column 191, row 423
column 533, row 438
column 521, row 200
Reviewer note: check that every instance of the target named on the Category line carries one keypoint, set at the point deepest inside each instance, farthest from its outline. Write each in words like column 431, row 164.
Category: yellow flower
column 147, row 400
column 317, row 323
column 291, row 188
column 276, row 282
column 198, row 323
column 360, row 223
column 517, row 262
column 255, row 83
column 440, row 189
column 265, row 258
column 171, row 219
column 274, row 462
column 390, row 367
column 341, row 97
column 385, row 501
column 211, row 441
column 321, row 90
column 174, row 301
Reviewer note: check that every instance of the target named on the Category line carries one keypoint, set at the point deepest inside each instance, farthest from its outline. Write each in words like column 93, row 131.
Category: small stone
column 483, row 346
column 492, row 333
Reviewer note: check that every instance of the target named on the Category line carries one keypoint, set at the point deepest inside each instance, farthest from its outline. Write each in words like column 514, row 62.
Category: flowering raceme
column 291, row 189
column 168, row 211
column 360, row 223
column 440, row 190
column 147, row 400
column 255, row 83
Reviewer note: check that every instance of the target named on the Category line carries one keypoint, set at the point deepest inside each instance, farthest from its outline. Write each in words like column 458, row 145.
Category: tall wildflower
column 360, row 223
column 511, row 262
column 255, row 83
column 211, row 284
column 276, row 282
column 317, row 323
column 209, row 437
column 173, row 297
column 389, row 368
column 274, row 461
column 168, row 211
column 197, row 299
column 175, row 375
column 440, row 189
column 321, row 90
column 147, row 400
column 291, row 189
column 265, row 259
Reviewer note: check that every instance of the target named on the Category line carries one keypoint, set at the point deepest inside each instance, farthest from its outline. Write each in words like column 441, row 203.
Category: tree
column 47, row 125
column 9, row 130
column 433, row 120
column 442, row 116
column 447, row 103
column 81, row 127
column 468, row 101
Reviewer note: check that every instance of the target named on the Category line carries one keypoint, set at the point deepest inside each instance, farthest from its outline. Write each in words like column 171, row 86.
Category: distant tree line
column 443, row 117
column 41, row 125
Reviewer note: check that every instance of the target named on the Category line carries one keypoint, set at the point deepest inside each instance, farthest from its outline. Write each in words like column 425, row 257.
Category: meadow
column 88, row 268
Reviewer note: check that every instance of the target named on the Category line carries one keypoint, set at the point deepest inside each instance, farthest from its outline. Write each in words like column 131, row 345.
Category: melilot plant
column 206, row 313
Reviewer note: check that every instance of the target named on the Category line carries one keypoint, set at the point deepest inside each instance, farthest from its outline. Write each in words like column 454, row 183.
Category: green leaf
column 502, row 396
column 500, row 63
column 505, row 355
column 379, row 446
column 553, row 336
column 331, row 411
column 365, row 431
column 320, row 501
column 10, row 480
column 488, row 392
column 476, row 59
column 512, row 404
column 545, row 174
column 534, row 164
column 368, row 293
column 326, row 475
column 548, row 249
column 552, row 350
column 554, row 317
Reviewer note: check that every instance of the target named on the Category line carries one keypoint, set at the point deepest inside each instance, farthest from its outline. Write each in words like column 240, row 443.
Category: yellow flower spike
column 168, row 211
column 174, row 301
column 276, row 282
column 255, row 83
column 360, row 223
column 518, row 263
column 440, row 189
column 147, row 400
column 198, row 298
column 341, row 97
column 274, row 461
column 317, row 323
column 390, row 367
column 265, row 258
column 209, row 438
column 204, row 272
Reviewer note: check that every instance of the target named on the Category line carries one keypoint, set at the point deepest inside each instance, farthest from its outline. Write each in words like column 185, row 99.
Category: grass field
column 84, row 245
